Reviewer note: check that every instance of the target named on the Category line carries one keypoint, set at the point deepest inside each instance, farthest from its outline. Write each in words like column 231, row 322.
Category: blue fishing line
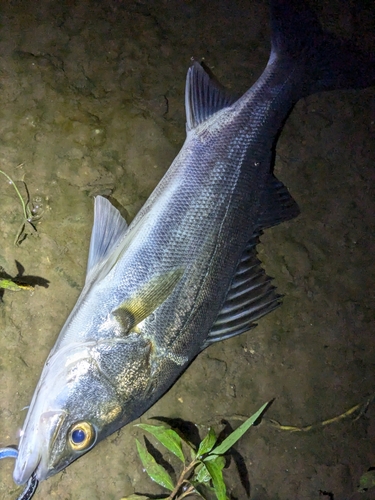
column 31, row 484
column 8, row 453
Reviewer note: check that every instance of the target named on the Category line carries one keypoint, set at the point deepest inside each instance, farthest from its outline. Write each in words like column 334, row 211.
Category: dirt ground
column 92, row 102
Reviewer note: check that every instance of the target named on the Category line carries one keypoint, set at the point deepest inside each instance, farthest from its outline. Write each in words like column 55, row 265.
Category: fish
column 185, row 273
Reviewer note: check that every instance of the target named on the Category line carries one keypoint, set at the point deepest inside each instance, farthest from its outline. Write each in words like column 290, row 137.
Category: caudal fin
column 328, row 62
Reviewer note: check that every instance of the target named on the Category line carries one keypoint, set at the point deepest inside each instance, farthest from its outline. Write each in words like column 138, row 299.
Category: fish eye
column 81, row 436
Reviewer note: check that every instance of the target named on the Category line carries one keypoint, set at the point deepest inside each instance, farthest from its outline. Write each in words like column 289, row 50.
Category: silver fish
column 185, row 273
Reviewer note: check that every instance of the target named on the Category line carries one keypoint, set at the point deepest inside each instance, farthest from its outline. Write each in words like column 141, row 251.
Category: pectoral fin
column 150, row 297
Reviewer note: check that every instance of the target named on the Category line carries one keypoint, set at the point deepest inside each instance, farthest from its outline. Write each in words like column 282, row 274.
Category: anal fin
column 250, row 296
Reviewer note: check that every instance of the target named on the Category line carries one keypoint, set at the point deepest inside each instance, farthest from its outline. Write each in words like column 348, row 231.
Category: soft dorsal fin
column 277, row 204
column 250, row 296
column 108, row 229
column 204, row 95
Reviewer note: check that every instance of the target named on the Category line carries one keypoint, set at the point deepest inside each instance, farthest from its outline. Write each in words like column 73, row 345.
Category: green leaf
column 215, row 468
column 201, row 474
column 167, row 437
column 210, row 457
column 208, row 443
column 219, row 458
column 193, row 454
column 366, row 481
column 11, row 285
column 235, row 435
column 156, row 472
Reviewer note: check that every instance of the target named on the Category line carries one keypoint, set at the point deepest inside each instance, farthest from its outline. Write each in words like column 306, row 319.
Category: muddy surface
column 92, row 102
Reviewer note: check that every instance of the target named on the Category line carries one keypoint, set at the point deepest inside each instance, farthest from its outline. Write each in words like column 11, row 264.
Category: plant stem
column 186, row 493
column 186, row 472
column 26, row 212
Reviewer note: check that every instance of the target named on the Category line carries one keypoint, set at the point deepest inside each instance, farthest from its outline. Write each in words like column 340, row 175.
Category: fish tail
column 326, row 61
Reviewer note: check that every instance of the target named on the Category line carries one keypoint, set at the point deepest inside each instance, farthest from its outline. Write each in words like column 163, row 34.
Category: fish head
column 103, row 372
column 80, row 399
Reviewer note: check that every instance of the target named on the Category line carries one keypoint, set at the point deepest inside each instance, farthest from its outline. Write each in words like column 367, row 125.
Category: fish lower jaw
column 28, row 466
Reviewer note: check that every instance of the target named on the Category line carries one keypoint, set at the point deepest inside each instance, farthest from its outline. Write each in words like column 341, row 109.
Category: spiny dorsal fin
column 250, row 296
column 108, row 230
column 204, row 95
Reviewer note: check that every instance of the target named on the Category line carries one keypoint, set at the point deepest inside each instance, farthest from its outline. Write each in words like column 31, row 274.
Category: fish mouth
column 35, row 448
column 24, row 474
column 24, row 471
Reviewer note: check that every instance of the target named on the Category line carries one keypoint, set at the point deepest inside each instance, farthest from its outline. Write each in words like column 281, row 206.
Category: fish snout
column 26, row 465
column 35, row 446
